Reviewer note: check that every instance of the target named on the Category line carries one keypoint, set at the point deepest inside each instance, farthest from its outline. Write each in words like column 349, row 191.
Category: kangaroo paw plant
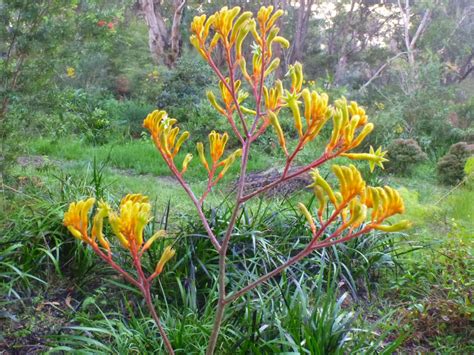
column 351, row 211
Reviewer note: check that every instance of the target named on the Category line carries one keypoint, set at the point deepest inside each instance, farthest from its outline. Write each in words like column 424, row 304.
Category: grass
column 140, row 156
column 408, row 292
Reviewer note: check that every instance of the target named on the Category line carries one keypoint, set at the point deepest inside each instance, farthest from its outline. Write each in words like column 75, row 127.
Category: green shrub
column 184, row 87
column 403, row 155
column 451, row 166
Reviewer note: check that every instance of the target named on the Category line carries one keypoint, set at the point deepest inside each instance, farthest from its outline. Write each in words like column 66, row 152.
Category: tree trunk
column 301, row 29
column 164, row 43
column 342, row 60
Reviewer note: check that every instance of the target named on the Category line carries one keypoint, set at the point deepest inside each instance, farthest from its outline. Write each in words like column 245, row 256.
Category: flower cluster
column 352, row 204
column 217, row 143
column 127, row 224
column 354, row 209
column 103, row 23
column 165, row 136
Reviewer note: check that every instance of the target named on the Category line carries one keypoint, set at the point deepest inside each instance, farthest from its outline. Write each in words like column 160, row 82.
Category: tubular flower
column 186, row 161
column 200, row 29
column 274, row 96
column 350, row 181
column 374, row 157
column 164, row 135
column 129, row 224
column 98, row 224
column 227, row 98
column 217, row 143
column 355, row 200
column 291, row 99
column 265, row 36
column 350, row 128
column 308, row 217
column 316, row 113
column 345, row 125
column 276, row 125
column 355, row 110
column 228, row 30
column 295, row 72
column 385, row 202
column 76, row 219
column 168, row 253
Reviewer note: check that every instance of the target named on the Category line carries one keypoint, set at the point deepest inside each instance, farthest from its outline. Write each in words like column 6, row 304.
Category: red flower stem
column 305, row 252
column 209, row 183
column 142, row 284
column 290, row 159
column 151, row 308
column 233, row 93
column 108, row 260
column 145, row 289
column 193, row 198
column 224, row 82
column 223, row 253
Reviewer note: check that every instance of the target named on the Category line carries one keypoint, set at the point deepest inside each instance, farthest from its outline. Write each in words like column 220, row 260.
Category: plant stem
column 272, row 273
column 151, row 308
column 196, row 203
column 223, row 253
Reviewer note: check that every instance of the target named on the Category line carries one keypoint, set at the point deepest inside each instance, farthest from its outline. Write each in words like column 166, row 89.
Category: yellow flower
column 354, row 200
column 168, row 253
column 129, row 224
column 98, row 224
column 397, row 227
column 76, row 218
column 374, row 157
column 385, row 202
column 351, row 183
column 186, row 161
column 164, row 134
column 217, row 144
column 316, row 113
column 295, row 72
column 71, row 72
column 274, row 96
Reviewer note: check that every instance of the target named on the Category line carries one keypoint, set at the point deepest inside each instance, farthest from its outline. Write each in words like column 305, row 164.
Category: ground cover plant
column 77, row 87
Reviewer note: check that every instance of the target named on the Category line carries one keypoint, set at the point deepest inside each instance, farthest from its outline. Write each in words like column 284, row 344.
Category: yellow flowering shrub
column 354, row 207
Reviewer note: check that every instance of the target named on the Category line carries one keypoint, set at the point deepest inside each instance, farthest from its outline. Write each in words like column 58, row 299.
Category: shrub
column 451, row 166
column 403, row 155
column 184, row 86
column 352, row 212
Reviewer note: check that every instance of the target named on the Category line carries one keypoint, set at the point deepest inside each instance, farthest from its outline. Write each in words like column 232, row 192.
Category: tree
column 164, row 42
column 30, row 32
column 301, row 29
